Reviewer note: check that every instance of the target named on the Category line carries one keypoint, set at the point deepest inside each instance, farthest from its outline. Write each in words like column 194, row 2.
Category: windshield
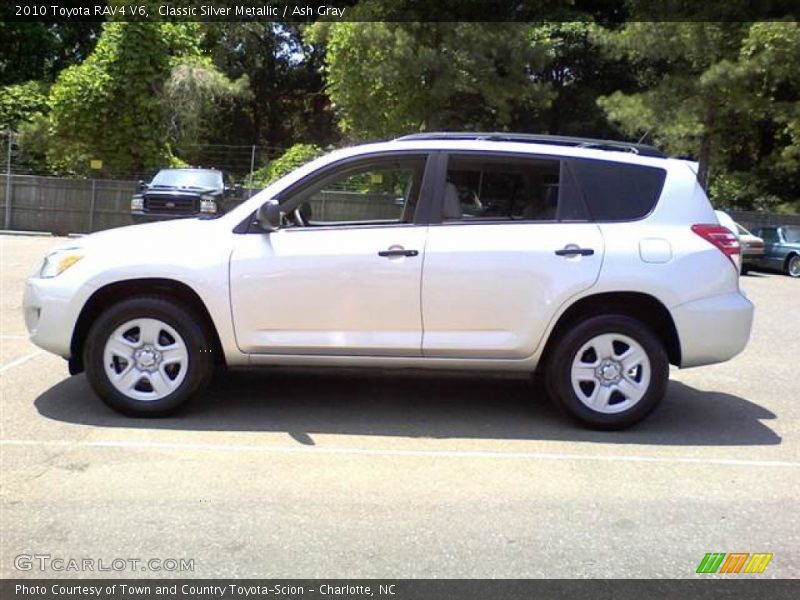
column 188, row 178
column 791, row 234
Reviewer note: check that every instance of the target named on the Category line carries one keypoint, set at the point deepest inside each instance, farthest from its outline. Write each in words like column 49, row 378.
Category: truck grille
column 173, row 205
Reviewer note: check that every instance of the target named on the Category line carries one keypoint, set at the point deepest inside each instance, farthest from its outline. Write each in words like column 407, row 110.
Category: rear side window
column 617, row 191
column 505, row 188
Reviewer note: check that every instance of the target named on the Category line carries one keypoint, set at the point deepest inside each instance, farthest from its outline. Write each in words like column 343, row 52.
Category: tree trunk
column 704, row 157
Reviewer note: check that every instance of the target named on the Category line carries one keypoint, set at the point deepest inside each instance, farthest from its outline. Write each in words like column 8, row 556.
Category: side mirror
column 269, row 215
column 142, row 185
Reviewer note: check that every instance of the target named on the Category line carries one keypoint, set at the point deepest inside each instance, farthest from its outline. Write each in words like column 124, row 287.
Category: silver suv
column 596, row 263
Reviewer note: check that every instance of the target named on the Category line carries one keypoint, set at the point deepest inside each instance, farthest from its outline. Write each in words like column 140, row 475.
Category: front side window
column 501, row 189
column 384, row 191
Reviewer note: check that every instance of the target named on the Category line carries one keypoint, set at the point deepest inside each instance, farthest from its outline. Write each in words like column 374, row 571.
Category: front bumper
column 51, row 311
column 139, row 216
column 713, row 330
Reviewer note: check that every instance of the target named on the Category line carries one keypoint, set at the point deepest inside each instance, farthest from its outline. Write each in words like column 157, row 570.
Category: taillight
column 722, row 238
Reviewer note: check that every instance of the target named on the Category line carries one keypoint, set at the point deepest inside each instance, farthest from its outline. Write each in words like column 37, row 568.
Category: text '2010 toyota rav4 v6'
column 599, row 263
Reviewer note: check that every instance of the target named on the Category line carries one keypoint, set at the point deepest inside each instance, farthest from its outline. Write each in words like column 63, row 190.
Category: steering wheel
column 298, row 217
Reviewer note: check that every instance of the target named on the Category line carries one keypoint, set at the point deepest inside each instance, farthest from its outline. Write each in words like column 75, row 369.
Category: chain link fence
column 35, row 198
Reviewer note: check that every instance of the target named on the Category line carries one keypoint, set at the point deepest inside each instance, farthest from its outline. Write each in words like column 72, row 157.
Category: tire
column 608, row 372
column 745, row 269
column 792, row 268
column 146, row 356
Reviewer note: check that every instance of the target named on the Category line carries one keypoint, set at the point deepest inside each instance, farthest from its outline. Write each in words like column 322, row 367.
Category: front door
column 343, row 276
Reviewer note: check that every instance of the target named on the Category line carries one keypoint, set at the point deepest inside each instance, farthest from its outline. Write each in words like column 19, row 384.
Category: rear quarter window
column 617, row 191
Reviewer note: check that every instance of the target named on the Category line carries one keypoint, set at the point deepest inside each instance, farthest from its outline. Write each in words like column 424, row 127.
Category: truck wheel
column 608, row 372
column 146, row 356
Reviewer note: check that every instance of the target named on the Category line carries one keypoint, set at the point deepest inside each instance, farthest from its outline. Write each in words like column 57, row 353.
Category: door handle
column 395, row 252
column 572, row 250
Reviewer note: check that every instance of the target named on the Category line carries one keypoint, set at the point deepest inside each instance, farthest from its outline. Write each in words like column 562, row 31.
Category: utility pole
column 7, row 220
column 252, row 168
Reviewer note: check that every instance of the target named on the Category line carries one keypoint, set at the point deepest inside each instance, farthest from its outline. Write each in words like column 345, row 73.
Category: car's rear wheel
column 793, row 266
column 146, row 356
column 608, row 372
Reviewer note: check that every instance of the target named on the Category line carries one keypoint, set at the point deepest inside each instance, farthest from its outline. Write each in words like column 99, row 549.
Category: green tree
column 294, row 157
column 193, row 95
column 287, row 102
column 725, row 94
column 685, row 97
column 112, row 106
column 386, row 79
column 578, row 72
column 39, row 50
column 19, row 103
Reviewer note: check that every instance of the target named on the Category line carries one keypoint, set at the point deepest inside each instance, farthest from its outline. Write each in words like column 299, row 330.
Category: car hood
column 175, row 191
column 160, row 241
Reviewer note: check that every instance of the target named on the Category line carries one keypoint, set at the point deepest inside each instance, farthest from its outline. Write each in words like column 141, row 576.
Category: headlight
column 59, row 261
column 137, row 203
column 207, row 206
column 208, row 197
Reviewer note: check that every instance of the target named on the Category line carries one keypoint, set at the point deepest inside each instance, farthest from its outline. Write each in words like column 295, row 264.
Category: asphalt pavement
column 298, row 473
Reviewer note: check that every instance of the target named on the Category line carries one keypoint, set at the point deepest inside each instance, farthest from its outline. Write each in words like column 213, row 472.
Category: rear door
column 513, row 243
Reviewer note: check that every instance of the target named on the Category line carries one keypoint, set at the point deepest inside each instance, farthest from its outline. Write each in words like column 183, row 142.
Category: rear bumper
column 714, row 329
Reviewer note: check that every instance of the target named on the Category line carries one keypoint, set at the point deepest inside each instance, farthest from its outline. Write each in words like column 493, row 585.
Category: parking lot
column 297, row 473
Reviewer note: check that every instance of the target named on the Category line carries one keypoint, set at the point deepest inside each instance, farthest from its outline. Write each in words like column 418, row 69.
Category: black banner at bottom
column 394, row 589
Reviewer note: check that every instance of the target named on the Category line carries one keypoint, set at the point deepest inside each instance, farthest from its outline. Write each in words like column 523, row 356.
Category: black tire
column 792, row 268
column 197, row 341
column 565, row 350
column 745, row 269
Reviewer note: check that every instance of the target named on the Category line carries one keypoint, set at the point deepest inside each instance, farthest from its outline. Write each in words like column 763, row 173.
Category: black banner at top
column 294, row 11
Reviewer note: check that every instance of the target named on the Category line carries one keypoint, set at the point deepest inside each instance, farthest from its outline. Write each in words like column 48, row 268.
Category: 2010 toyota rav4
column 598, row 263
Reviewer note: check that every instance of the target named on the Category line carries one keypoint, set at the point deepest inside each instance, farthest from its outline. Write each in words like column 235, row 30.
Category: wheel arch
column 643, row 307
column 106, row 296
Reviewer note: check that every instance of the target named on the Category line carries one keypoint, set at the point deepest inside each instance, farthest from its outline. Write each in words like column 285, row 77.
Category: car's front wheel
column 608, row 372
column 146, row 356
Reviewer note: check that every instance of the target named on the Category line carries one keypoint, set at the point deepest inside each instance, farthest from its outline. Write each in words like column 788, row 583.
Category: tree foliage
column 294, row 157
column 140, row 95
column 19, row 103
column 386, row 79
column 725, row 94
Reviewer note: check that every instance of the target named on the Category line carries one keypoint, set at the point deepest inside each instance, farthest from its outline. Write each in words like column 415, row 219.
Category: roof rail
column 532, row 138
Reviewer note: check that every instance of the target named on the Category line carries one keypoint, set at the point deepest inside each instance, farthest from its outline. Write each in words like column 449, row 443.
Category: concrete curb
column 39, row 234
column 26, row 233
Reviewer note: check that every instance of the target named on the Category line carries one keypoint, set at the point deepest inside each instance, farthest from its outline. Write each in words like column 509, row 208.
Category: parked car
column 752, row 247
column 781, row 249
column 595, row 263
column 182, row 193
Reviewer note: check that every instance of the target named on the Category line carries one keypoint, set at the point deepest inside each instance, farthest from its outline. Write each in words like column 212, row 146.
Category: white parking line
column 149, row 445
column 20, row 360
